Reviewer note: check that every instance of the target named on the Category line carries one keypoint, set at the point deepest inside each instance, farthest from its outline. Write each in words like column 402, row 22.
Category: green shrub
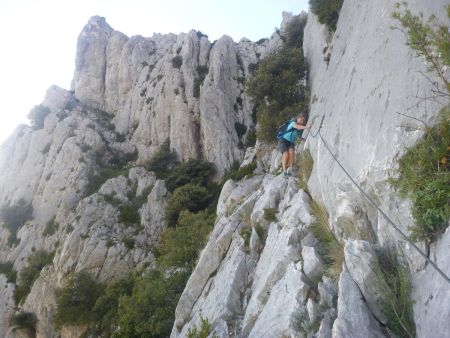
column 250, row 139
column 329, row 248
column 295, row 30
column 75, row 302
column 187, row 197
column 23, row 320
column 30, row 273
column 37, row 116
column 327, row 11
column 236, row 174
column 95, row 181
column 128, row 242
column 240, row 128
column 129, row 215
column 277, row 85
column 114, row 201
column 51, row 227
column 149, row 310
column 397, row 302
column 269, row 214
column 109, row 243
column 106, row 305
column 424, row 177
column 192, row 171
column 205, row 329
column 201, row 35
column 252, row 68
column 246, row 234
column 179, row 246
column 162, row 161
column 261, row 232
column 14, row 216
column 177, row 61
column 7, row 269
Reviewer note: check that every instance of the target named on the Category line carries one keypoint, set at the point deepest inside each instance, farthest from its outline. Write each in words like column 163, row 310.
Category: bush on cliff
column 188, row 197
column 327, row 11
column 192, row 171
column 76, row 301
column 425, row 178
column 149, row 310
column 191, row 231
column 162, row 161
column 7, row 269
column 278, row 85
column 424, row 170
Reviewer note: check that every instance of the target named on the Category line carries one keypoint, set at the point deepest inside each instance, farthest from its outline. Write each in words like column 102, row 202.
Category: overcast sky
column 38, row 38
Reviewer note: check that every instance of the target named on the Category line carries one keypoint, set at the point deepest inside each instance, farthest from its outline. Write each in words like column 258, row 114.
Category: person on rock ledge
column 286, row 145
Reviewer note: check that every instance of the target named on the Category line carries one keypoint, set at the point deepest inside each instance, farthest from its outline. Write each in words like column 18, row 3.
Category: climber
column 286, row 144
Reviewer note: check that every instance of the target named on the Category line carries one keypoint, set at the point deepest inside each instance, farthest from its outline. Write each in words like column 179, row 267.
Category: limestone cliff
column 264, row 287
column 262, row 273
column 128, row 97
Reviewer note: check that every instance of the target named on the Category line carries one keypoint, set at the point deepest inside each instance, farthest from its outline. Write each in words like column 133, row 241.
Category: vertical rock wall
column 371, row 76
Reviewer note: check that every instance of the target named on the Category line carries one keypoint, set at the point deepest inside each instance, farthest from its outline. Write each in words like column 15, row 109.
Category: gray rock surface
column 431, row 293
column 129, row 96
column 362, row 264
column 194, row 104
column 312, row 263
column 354, row 318
column 6, row 304
column 372, row 74
column 239, row 285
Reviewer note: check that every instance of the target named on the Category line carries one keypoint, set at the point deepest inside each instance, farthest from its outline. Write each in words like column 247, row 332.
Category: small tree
column 23, row 320
column 327, row 11
column 162, row 161
column 149, row 310
column 76, row 301
column 180, row 246
column 106, row 306
column 188, row 197
column 177, row 61
column 192, row 171
column 278, row 85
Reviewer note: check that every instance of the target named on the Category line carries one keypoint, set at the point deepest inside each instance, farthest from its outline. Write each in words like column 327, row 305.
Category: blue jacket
column 292, row 134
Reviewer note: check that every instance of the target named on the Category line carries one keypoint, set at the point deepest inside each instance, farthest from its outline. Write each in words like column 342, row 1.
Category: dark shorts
column 284, row 146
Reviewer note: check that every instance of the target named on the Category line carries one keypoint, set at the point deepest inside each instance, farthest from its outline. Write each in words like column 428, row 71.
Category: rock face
column 378, row 77
column 178, row 88
column 81, row 164
column 277, row 287
column 130, row 95
column 251, row 290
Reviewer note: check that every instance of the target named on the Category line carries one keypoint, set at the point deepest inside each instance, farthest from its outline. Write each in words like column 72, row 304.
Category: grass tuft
column 397, row 302
column 330, row 249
